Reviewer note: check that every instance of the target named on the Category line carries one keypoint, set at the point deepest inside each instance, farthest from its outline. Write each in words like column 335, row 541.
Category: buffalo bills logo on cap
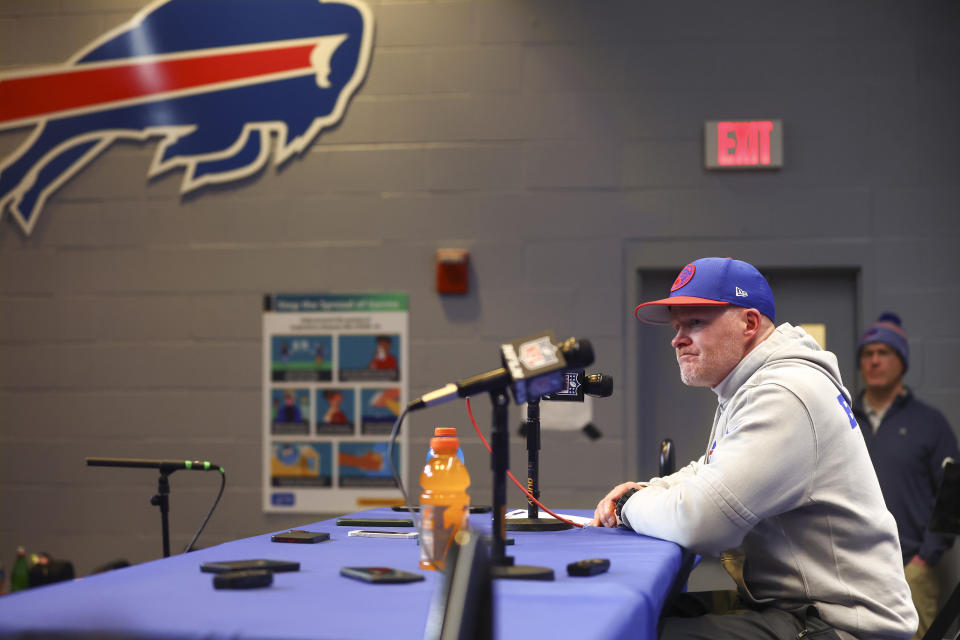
column 683, row 278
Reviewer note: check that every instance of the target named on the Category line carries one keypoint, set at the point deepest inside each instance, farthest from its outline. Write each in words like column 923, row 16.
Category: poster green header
column 336, row 302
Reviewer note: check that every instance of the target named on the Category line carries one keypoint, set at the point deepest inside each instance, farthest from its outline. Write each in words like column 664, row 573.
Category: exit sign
column 743, row 144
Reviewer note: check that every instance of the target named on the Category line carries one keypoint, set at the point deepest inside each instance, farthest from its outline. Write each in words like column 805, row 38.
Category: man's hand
column 604, row 515
column 918, row 561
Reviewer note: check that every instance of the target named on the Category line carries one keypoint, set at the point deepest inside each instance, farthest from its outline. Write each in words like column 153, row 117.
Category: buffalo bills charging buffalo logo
column 224, row 86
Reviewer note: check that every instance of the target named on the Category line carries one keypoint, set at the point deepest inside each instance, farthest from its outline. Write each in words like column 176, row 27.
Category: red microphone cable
column 515, row 481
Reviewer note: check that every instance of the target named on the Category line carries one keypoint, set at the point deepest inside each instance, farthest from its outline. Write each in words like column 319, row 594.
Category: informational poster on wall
column 335, row 381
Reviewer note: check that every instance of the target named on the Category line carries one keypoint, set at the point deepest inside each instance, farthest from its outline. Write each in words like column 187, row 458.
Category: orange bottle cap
column 445, row 432
column 444, row 445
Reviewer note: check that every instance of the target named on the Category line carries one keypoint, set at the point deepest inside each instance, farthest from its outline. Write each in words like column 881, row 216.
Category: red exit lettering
column 744, row 143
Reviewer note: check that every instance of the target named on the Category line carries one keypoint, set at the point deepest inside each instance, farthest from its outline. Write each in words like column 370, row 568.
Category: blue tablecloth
column 171, row 598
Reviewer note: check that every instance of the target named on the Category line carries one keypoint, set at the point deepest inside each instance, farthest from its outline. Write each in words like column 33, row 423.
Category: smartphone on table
column 223, row 566
column 301, row 536
column 367, row 533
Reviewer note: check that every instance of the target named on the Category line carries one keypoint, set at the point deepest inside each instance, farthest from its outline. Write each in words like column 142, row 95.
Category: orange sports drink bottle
column 444, row 502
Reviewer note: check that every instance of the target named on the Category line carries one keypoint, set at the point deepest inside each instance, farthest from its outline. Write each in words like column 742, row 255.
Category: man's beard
column 711, row 367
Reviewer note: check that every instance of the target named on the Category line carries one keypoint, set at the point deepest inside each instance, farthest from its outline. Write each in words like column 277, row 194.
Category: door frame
column 765, row 253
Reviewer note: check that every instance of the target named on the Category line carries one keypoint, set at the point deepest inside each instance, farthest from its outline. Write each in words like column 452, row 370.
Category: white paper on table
column 522, row 513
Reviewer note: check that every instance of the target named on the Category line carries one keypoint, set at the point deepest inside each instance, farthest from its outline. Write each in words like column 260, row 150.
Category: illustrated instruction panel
column 335, row 381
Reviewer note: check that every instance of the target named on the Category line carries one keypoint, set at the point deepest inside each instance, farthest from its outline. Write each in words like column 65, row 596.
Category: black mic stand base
column 506, row 541
column 537, row 524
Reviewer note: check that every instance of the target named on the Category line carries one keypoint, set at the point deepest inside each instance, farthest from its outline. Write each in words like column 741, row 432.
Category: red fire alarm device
column 743, row 144
column 452, row 268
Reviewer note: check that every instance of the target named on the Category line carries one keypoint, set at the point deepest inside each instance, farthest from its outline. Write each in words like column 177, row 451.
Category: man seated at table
column 785, row 492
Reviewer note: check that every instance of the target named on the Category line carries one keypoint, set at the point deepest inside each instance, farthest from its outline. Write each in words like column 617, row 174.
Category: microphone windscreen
column 577, row 353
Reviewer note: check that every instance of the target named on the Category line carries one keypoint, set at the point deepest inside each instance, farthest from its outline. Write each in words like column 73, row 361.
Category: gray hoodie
column 787, row 488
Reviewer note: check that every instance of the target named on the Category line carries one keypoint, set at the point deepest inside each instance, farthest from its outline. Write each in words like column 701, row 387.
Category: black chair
column 945, row 617
column 667, row 460
column 946, row 519
column 688, row 558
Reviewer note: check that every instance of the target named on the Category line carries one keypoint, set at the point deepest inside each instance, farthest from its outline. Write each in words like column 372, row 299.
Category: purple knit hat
column 887, row 329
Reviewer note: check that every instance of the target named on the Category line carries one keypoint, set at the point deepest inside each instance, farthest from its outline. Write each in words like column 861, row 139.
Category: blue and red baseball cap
column 712, row 282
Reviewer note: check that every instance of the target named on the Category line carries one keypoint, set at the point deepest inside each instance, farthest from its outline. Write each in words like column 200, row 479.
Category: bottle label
column 435, row 537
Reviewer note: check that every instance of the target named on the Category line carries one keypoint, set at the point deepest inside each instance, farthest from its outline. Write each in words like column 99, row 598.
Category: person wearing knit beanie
column 888, row 330
column 908, row 441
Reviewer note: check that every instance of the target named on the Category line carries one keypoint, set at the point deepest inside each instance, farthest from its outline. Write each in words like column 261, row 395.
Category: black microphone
column 165, row 466
column 578, row 385
column 598, row 385
column 530, row 369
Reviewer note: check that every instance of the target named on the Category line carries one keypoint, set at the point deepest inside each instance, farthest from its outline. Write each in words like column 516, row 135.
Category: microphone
column 578, row 385
column 598, row 385
column 533, row 367
column 165, row 466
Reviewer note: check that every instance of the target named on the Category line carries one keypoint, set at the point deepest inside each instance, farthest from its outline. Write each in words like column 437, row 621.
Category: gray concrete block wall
column 541, row 135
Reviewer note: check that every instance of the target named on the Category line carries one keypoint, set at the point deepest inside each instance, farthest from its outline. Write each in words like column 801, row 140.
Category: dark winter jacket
column 908, row 451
